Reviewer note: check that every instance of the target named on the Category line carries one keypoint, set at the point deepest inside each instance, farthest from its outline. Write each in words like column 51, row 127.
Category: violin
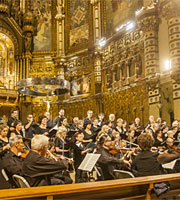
column 25, row 153
column 176, row 148
column 122, row 150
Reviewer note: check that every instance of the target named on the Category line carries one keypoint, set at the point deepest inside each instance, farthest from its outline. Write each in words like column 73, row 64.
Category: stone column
column 149, row 23
column 170, row 9
column 21, row 68
column 97, row 71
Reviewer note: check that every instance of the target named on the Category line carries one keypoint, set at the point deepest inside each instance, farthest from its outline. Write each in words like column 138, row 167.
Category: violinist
column 107, row 162
column 12, row 161
column 169, row 146
column 131, row 137
column 39, row 170
column 146, row 163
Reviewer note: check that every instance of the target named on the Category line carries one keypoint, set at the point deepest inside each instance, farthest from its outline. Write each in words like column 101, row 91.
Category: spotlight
column 102, row 42
column 129, row 26
column 167, row 65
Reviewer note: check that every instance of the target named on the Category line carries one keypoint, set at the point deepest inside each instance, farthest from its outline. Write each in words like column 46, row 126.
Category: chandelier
column 43, row 86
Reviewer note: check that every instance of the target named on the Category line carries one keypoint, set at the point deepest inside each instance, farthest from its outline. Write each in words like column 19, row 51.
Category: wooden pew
column 130, row 188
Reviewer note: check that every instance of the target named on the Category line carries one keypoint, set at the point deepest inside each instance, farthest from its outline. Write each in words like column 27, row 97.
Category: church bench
column 130, row 188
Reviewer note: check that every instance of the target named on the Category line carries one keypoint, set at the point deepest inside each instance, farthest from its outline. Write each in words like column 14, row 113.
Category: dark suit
column 40, row 171
column 107, row 163
column 146, row 164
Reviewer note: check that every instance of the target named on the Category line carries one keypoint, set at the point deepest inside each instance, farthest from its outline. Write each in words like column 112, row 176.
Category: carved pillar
column 60, row 17
column 28, row 30
column 17, row 69
column 59, row 61
column 148, row 22
column 21, row 68
column 154, row 97
column 97, row 71
column 28, row 58
column 96, row 19
column 24, row 67
column 170, row 9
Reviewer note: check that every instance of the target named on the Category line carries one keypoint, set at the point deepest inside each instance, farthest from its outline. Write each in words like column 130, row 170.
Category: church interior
column 90, row 58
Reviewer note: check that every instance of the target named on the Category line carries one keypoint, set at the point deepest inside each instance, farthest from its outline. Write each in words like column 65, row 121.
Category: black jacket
column 107, row 163
column 146, row 164
column 38, row 170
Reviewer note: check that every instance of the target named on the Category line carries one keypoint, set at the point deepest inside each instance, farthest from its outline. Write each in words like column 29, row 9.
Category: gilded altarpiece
column 128, row 104
column 79, row 108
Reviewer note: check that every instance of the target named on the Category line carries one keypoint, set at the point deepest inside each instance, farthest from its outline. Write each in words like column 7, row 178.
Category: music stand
column 89, row 162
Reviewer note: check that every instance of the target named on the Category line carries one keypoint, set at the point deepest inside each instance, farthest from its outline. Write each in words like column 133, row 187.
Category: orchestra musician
column 39, row 170
column 107, row 162
column 12, row 161
column 146, row 162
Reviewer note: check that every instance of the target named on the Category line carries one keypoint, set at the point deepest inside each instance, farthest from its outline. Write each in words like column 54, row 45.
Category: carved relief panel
column 78, row 24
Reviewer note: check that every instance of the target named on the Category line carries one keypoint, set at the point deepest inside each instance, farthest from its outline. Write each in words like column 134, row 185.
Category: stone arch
column 13, row 39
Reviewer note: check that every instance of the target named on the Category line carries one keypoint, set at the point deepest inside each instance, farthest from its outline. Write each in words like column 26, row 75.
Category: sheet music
column 169, row 165
column 89, row 162
column 54, row 128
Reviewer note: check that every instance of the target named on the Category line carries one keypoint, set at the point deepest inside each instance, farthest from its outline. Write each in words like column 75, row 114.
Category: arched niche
column 7, row 62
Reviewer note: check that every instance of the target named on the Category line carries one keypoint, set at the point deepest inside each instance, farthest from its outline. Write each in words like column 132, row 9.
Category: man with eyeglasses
column 107, row 162
column 40, row 170
column 12, row 161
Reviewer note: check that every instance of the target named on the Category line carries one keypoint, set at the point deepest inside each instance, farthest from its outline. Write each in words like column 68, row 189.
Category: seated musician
column 12, row 161
column 146, row 163
column 39, row 170
column 169, row 155
column 106, row 161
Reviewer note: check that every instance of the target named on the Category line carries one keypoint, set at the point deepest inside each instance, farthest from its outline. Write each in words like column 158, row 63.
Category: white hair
column 39, row 141
column 169, row 133
column 14, row 140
